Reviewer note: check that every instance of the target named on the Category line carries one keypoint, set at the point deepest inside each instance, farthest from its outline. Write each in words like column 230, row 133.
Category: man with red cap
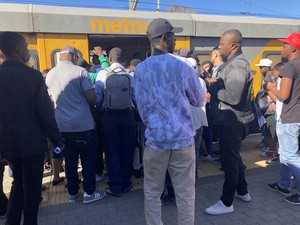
column 288, row 126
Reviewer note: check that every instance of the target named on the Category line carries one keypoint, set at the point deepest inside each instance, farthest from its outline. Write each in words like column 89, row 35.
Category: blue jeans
column 120, row 139
column 289, row 159
column 83, row 144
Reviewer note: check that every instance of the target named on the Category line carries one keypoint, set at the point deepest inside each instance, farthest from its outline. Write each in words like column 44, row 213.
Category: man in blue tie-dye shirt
column 165, row 87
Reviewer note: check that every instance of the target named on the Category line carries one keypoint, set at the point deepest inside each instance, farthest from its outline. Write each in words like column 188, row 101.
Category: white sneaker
column 97, row 195
column 245, row 198
column 219, row 208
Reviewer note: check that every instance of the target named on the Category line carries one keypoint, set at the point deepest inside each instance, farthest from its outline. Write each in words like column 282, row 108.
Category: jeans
column 289, row 159
column 230, row 139
column 120, row 139
column 26, row 189
column 83, row 144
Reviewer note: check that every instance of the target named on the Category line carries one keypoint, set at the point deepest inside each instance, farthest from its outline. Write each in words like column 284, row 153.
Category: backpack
column 117, row 93
column 262, row 102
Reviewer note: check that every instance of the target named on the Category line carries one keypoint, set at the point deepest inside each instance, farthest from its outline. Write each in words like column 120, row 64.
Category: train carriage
column 49, row 28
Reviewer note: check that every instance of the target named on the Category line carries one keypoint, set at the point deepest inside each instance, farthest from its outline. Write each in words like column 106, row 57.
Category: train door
column 49, row 45
column 131, row 44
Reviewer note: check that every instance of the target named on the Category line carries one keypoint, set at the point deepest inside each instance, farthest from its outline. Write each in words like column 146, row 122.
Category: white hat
column 192, row 62
column 265, row 62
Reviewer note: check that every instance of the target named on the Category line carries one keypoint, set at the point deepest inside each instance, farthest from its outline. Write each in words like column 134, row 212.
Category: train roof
column 58, row 19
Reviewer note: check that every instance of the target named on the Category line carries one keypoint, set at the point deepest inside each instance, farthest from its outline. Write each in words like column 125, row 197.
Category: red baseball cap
column 293, row 39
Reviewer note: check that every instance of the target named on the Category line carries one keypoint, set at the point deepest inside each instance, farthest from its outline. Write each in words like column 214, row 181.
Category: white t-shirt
column 279, row 102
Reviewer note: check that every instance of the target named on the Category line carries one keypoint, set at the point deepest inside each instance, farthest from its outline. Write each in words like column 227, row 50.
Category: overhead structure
column 133, row 4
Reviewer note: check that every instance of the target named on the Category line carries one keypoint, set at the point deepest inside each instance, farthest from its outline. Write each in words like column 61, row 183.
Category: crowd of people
column 157, row 116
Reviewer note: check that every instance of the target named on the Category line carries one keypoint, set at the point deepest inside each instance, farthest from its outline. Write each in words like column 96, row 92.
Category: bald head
column 230, row 43
column 234, row 36
column 115, row 55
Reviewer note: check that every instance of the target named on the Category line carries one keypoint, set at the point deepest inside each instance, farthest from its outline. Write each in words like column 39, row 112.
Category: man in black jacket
column 231, row 113
column 26, row 116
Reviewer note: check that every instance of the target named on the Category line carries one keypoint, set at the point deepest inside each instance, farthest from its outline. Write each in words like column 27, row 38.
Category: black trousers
column 3, row 198
column 230, row 140
column 26, row 189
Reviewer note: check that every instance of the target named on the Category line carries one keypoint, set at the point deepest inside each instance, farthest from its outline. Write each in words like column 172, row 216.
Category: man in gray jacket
column 231, row 113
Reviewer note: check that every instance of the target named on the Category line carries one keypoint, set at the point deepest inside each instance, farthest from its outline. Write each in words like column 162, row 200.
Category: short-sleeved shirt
column 291, row 106
column 67, row 84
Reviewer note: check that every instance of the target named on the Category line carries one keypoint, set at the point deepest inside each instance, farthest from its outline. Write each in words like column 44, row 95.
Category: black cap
column 160, row 26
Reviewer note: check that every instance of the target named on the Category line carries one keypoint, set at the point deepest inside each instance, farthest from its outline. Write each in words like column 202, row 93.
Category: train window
column 275, row 56
column 34, row 60
column 55, row 57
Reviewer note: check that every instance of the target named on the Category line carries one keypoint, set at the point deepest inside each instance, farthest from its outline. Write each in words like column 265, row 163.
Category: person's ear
column 18, row 49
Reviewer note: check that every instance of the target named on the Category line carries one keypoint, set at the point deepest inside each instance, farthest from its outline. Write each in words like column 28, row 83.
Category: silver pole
column 158, row 6
column 135, row 4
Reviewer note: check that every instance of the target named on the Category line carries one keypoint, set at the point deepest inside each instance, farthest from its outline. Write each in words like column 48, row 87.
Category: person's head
column 69, row 53
column 192, row 62
column 115, row 56
column 207, row 66
column 45, row 72
column 161, row 34
column 134, row 63
column 84, row 64
column 215, row 56
column 230, row 43
column 291, row 47
column 264, row 65
column 277, row 69
column 95, row 60
column 14, row 46
column 137, row 55
column 184, row 52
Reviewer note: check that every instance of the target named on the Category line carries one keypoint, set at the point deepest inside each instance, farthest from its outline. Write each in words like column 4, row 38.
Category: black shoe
column 275, row 187
column 109, row 192
column 137, row 173
column 56, row 182
column 128, row 188
column 294, row 199
column 43, row 187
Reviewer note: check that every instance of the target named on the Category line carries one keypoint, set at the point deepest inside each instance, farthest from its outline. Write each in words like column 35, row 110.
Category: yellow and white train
column 49, row 28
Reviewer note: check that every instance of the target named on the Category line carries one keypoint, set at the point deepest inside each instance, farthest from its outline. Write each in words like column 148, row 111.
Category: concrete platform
column 266, row 207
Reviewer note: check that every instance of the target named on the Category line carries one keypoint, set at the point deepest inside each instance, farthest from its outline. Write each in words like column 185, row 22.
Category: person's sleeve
column 194, row 91
column 93, row 77
column 99, row 85
column 103, row 62
column 138, row 94
column 288, row 71
column 45, row 112
column 234, row 86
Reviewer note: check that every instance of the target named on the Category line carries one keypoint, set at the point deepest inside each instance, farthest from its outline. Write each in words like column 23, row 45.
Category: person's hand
column 98, row 51
column 207, row 97
column 212, row 80
column 265, row 85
